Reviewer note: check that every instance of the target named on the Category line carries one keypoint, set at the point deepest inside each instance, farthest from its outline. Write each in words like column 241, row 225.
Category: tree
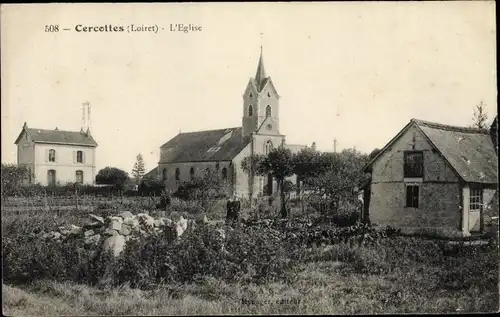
column 280, row 163
column 139, row 169
column 480, row 116
column 13, row 177
column 204, row 188
column 112, row 176
column 373, row 153
column 252, row 166
column 340, row 174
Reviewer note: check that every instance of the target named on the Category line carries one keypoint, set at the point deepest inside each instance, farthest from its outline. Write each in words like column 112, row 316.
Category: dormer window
column 250, row 111
column 268, row 111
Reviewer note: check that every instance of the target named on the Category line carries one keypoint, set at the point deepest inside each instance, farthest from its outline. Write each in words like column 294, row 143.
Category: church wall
column 184, row 167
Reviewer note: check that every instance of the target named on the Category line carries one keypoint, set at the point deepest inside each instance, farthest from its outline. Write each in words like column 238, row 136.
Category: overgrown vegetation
column 263, row 252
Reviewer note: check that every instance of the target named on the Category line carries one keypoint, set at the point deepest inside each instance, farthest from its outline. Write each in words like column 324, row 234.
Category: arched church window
column 164, row 174
column 250, row 95
column 177, row 174
column 268, row 111
column 250, row 111
column 269, row 94
column 268, row 146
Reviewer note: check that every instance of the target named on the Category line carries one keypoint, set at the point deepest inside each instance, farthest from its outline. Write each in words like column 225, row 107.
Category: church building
column 189, row 154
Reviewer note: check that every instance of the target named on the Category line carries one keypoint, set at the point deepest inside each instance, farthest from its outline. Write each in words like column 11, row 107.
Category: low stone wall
column 113, row 232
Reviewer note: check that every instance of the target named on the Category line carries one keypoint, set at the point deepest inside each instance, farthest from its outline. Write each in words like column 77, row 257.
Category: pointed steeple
column 260, row 76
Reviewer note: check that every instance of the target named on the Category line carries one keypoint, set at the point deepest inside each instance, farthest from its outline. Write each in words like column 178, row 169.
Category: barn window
column 164, row 174
column 79, row 157
column 51, row 177
column 191, row 172
column 79, row 177
column 476, row 200
column 224, row 173
column 250, row 111
column 177, row 174
column 52, row 155
column 413, row 164
column 412, row 196
column 268, row 111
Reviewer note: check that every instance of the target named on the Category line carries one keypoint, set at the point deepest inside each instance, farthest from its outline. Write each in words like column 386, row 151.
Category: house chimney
column 57, row 129
column 25, row 125
column 313, row 146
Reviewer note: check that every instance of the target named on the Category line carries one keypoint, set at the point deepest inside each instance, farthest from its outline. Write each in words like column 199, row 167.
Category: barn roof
column 204, row 146
column 57, row 136
column 469, row 151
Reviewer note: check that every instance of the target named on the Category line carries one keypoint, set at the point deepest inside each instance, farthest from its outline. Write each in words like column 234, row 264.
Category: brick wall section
column 440, row 190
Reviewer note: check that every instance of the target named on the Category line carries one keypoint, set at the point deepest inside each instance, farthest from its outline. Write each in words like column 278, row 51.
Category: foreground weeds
column 265, row 267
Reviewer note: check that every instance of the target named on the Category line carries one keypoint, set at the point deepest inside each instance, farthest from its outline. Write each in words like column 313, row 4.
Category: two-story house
column 433, row 176
column 56, row 157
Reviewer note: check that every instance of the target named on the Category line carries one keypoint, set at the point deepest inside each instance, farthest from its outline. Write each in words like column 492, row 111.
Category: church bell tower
column 260, row 103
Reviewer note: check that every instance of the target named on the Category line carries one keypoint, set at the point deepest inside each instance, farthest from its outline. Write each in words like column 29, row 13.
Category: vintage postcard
column 249, row 158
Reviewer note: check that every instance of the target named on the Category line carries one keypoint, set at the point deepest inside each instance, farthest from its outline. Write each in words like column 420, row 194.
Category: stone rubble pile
column 114, row 231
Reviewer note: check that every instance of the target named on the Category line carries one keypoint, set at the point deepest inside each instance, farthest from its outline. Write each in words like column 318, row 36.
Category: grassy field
column 396, row 275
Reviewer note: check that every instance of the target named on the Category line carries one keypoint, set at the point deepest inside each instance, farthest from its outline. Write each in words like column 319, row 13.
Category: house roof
column 469, row 151
column 57, row 136
column 204, row 146
column 295, row 148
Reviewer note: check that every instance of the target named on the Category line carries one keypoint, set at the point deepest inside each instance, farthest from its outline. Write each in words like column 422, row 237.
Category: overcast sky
column 357, row 72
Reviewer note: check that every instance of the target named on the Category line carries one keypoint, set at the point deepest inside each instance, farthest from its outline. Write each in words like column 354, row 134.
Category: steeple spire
column 261, row 72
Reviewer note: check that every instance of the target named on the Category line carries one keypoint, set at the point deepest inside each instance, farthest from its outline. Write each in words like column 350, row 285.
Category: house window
column 250, row 111
column 79, row 157
column 268, row 111
column 52, row 155
column 79, row 177
column 191, row 172
column 224, row 173
column 217, row 166
column 475, row 200
column 412, row 192
column 177, row 174
column 164, row 174
column 268, row 147
column 51, row 177
column 414, row 164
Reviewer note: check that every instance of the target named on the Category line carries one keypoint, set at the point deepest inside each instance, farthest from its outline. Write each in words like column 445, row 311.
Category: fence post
column 76, row 197
column 45, row 200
